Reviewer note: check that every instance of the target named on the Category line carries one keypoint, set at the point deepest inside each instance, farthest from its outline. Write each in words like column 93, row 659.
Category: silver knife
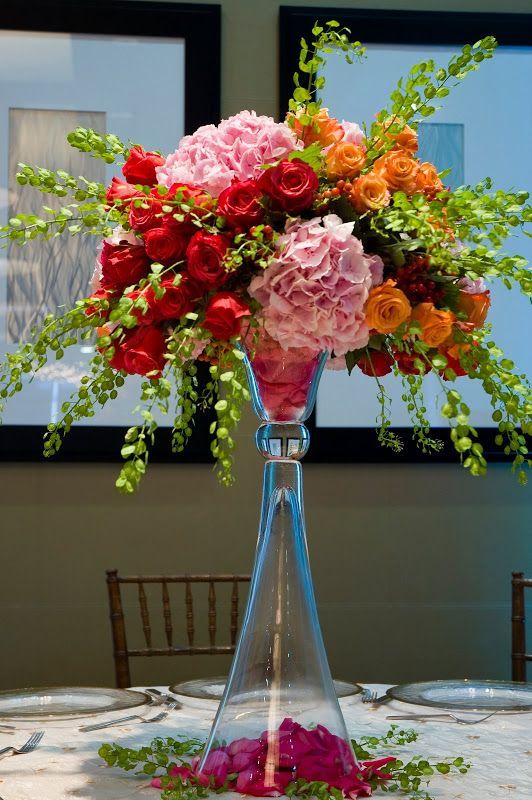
column 384, row 698
column 108, row 724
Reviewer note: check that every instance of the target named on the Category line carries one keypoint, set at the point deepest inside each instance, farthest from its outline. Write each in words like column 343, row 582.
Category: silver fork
column 30, row 745
column 459, row 720
column 368, row 696
column 157, row 718
column 371, row 696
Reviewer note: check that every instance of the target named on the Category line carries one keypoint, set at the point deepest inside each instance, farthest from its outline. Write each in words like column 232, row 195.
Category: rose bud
column 99, row 303
column 224, row 315
column 123, row 265
column 140, row 166
column 240, row 204
column 205, row 258
column 120, row 191
column 376, row 363
column 291, row 185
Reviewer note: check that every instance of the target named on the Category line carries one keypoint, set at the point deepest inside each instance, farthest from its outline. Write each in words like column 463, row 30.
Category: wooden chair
column 519, row 655
column 120, row 648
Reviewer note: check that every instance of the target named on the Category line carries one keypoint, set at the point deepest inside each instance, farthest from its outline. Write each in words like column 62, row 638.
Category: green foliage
column 229, row 385
column 106, row 147
column 155, row 393
column 416, row 96
column 56, row 335
column 312, row 57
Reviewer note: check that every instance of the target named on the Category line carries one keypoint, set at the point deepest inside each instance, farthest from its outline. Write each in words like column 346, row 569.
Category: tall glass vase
column 279, row 719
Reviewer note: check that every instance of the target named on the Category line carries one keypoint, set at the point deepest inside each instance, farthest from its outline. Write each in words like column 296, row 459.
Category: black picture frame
column 360, row 445
column 200, row 27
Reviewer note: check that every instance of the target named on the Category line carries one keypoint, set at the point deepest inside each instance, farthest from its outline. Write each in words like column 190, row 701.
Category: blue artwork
column 443, row 145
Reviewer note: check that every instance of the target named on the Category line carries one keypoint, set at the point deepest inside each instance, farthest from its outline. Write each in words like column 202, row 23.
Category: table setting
column 64, row 763
column 237, row 269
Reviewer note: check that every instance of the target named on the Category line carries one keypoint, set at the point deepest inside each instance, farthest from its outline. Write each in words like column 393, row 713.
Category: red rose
column 145, row 214
column 140, row 166
column 99, row 303
column 168, row 243
column 123, row 265
column 375, row 363
column 291, row 185
column 119, row 190
column 143, row 351
column 143, row 311
column 224, row 314
column 240, row 205
column 176, row 300
column 405, row 362
column 205, row 255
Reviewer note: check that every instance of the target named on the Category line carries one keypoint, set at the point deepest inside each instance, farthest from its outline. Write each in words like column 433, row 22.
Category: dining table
column 66, row 764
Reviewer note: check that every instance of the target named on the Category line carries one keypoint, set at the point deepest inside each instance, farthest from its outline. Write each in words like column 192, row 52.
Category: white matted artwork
column 49, row 84
column 483, row 129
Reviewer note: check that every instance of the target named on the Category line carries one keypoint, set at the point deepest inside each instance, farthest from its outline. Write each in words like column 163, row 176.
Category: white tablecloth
column 67, row 765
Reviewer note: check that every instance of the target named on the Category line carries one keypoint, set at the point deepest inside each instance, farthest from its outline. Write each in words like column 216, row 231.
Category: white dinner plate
column 467, row 694
column 66, row 702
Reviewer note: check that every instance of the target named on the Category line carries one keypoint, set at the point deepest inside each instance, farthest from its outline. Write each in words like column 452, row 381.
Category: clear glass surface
column 213, row 688
column 66, row 701
column 279, row 718
column 467, row 694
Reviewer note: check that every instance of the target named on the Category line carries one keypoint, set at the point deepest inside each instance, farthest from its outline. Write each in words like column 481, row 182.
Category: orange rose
column 427, row 180
column 406, row 139
column 345, row 160
column 436, row 325
column 399, row 169
column 369, row 193
column 476, row 306
column 323, row 129
column 387, row 308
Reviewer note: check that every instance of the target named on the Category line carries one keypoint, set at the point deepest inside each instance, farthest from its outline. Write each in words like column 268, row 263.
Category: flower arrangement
column 308, row 233
column 173, row 766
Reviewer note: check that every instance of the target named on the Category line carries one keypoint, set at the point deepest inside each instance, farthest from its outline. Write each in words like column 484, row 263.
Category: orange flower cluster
column 323, row 129
column 398, row 170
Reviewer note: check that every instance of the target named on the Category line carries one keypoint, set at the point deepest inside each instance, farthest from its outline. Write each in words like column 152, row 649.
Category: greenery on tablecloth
column 163, row 757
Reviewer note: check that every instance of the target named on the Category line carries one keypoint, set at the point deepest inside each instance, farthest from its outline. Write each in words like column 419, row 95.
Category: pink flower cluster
column 313, row 292
column 235, row 149
column 265, row 766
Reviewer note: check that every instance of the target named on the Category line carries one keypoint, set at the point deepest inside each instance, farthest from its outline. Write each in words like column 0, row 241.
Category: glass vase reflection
column 279, row 719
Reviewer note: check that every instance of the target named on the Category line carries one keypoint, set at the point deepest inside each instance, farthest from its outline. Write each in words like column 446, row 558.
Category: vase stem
column 280, row 694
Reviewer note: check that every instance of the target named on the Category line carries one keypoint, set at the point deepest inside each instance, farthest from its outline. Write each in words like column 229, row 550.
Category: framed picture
column 135, row 69
column 483, row 129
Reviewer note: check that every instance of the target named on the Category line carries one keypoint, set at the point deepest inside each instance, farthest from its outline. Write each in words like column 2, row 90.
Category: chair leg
column 518, row 628
column 123, row 677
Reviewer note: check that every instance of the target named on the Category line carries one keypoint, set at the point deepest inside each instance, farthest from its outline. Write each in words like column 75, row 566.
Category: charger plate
column 213, row 688
column 66, row 702
column 467, row 694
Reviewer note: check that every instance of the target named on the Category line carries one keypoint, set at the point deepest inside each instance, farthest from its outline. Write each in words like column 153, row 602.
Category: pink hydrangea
column 236, row 148
column 313, row 292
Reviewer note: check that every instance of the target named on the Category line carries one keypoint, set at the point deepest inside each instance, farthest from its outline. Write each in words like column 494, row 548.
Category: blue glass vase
column 280, row 706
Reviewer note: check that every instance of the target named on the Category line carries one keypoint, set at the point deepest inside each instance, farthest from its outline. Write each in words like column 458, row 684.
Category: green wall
column 411, row 563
